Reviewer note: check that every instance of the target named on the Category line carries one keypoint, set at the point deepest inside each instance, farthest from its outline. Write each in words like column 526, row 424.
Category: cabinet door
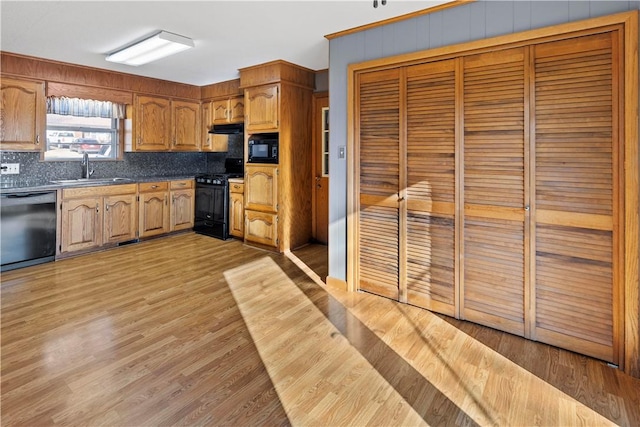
column 261, row 188
column 236, row 110
column 220, row 110
column 154, row 213
column 206, row 122
column 22, row 109
column 152, row 123
column 186, row 125
column 261, row 108
column 495, row 191
column 182, row 209
column 81, row 224
column 236, row 214
column 261, row 228
column 120, row 218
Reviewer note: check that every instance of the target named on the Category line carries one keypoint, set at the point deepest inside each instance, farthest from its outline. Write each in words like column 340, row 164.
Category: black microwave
column 263, row 149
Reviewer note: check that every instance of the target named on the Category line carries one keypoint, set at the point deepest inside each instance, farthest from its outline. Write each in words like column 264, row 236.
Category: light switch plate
column 341, row 150
column 10, row 168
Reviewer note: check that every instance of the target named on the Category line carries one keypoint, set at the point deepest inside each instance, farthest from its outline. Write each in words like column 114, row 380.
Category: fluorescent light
column 148, row 50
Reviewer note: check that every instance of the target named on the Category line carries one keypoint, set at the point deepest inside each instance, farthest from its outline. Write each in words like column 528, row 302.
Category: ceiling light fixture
column 155, row 47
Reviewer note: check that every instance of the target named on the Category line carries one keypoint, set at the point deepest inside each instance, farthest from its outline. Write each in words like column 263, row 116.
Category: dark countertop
column 34, row 184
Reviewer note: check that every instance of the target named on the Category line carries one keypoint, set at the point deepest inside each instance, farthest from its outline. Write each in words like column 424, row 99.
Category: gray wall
column 474, row 21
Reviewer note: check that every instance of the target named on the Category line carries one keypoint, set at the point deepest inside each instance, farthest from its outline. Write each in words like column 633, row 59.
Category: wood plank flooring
column 190, row 330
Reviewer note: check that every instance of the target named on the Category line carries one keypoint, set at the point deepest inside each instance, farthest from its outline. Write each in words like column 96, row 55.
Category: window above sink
column 78, row 126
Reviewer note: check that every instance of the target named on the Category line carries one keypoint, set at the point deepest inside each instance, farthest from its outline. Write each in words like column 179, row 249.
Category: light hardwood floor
column 190, row 330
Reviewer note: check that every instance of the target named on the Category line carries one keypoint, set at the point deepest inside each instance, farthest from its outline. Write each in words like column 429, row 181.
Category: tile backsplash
column 133, row 165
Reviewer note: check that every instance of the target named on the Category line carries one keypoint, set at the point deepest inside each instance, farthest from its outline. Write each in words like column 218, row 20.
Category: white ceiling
column 228, row 35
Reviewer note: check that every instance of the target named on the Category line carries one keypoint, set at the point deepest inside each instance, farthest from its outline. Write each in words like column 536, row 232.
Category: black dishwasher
column 27, row 229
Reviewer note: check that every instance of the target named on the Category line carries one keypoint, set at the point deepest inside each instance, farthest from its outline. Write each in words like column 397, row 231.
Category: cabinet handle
column 97, row 208
column 106, row 208
column 154, row 187
column 166, row 201
column 526, row 208
column 236, row 186
column 182, row 184
column 38, row 139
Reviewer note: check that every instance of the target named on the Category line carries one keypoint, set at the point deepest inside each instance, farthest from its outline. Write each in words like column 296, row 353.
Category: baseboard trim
column 336, row 283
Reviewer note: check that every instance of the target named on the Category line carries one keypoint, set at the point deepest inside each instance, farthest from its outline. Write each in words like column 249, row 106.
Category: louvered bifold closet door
column 493, row 270
column 378, row 116
column 430, row 192
column 576, row 192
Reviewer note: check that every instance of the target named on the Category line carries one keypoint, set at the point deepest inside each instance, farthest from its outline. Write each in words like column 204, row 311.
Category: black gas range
column 212, row 200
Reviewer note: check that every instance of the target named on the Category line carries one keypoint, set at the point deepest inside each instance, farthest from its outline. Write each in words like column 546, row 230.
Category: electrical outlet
column 10, row 168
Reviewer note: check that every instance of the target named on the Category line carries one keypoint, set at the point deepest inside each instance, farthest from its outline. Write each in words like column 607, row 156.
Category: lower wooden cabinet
column 261, row 227
column 236, row 208
column 154, row 208
column 182, row 205
column 93, row 217
column 120, row 218
column 97, row 216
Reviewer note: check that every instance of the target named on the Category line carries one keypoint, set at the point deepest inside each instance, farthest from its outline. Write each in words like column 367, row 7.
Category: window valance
column 85, row 107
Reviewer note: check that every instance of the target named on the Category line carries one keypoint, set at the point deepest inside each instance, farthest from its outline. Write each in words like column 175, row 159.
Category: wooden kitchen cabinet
column 120, row 218
column 236, row 208
column 162, row 124
column 261, row 187
column 262, row 105
column 23, row 112
column 278, row 99
column 81, row 224
column 261, row 227
column 185, row 119
column 212, row 142
column 152, row 117
column 154, row 208
column 182, row 205
column 94, row 217
column 228, row 110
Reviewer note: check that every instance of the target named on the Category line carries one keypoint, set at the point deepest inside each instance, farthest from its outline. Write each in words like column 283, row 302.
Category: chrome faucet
column 86, row 173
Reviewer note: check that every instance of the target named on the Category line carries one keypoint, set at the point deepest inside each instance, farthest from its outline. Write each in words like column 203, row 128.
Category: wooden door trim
column 316, row 142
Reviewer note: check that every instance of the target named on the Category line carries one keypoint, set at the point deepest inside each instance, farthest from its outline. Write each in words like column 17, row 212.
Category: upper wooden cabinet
column 22, row 113
column 162, row 124
column 152, row 123
column 185, row 117
column 261, row 108
column 212, row 142
column 228, row 110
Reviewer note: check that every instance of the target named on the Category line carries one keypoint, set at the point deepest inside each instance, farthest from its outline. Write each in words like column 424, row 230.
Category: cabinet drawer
column 181, row 184
column 103, row 190
column 261, row 227
column 145, row 187
column 236, row 187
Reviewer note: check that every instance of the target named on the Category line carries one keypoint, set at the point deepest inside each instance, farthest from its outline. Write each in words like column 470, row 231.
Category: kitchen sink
column 91, row 181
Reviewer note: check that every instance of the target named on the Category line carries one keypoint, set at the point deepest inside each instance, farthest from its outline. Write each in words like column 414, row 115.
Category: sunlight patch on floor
column 319, row 377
